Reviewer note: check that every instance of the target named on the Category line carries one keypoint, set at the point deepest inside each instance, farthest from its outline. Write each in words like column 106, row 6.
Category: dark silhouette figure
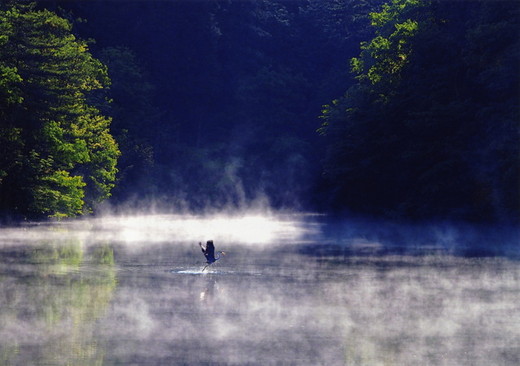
column 209, row 253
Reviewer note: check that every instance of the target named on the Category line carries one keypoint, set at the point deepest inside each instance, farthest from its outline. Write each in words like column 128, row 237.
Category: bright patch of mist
column 245, row 228
column 263, row 228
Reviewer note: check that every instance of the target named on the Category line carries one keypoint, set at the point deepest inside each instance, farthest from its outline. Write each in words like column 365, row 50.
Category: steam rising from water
column 246, row 228
column 130, row 290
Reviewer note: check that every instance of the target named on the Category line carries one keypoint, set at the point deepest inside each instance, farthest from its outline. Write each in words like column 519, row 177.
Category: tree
column 383, row 57
column 134, row 121
column 431, row 128
column 63, row 158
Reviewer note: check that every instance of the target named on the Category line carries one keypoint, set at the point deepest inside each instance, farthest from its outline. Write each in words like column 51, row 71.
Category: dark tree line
column 231, row 92
column 431, row 128
column 217, row 102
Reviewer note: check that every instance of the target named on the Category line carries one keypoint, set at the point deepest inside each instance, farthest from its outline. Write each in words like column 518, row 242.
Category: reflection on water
column 92, row 297
column 50, row 298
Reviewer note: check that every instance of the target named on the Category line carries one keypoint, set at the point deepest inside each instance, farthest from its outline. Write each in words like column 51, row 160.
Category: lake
column 292, row 289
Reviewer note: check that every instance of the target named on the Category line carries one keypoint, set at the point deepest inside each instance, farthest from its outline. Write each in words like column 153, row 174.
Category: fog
column 292, row 289
column 247, row 227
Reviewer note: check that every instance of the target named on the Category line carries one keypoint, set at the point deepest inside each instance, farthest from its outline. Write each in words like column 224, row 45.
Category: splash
column 192, row 271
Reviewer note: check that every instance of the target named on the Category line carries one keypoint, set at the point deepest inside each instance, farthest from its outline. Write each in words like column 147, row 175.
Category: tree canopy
column 431, row 129
column 216, row 103
column 58, row 156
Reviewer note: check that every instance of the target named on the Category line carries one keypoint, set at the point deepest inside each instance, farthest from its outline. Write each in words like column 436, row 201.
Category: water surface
column 131, row 291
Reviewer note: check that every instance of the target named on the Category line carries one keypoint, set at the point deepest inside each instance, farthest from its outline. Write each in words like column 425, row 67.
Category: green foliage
column 59, row 195
column 8, row 80
column 383, row 58
column 63, row 157
column 431, row 128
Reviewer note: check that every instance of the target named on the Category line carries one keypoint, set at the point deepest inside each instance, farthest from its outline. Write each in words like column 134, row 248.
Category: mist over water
column 292, row 289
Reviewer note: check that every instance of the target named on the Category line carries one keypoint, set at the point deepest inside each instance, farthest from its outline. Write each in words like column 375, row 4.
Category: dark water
column 131, row 292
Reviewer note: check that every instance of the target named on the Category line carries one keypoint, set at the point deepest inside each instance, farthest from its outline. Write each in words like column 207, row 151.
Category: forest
column 404, row 109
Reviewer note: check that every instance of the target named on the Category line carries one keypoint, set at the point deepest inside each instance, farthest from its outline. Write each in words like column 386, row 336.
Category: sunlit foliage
column 383, row 57
column 60, row 157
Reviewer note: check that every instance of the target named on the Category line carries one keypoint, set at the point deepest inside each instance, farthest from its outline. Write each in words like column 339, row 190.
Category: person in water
column 209, row 253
